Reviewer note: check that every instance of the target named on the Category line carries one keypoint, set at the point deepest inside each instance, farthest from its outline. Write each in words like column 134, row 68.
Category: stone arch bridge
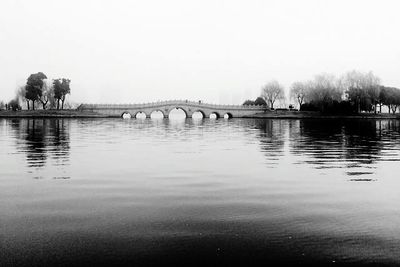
column 189, row 107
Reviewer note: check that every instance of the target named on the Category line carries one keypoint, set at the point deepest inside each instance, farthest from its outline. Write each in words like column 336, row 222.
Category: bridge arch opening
column 140, row 115
column 126, row 115
column 228, row 115
column 198, row 115
column 214, row 116
column 157, row 114
column 177, row 113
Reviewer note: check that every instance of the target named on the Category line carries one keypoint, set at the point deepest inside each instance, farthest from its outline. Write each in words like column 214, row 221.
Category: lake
column 199, row 192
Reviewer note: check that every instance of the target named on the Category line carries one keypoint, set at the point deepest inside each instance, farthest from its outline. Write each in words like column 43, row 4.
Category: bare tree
column 373, row 88
column 48, row 92
column 299, row 91
column 324, row 90
column 47, row 96
column 20, row 95
column 362, row 89
column 272, row 91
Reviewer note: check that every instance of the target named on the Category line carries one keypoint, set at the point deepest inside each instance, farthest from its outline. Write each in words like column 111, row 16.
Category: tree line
column 38, row 89
column 352, row 92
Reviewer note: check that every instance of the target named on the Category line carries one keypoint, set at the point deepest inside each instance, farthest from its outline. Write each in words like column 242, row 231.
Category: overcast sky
column 218, row 51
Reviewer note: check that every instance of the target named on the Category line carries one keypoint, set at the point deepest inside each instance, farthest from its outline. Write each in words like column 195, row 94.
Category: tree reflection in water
column 59, row 141
column 353, row 145
column 271, row 136
column 344, row 143
column 41, row 139
column 35, row 135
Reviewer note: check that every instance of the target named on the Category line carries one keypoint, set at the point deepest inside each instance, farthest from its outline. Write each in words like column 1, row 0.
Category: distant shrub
column 260, row 101
column 248, row 103
column 333, row 107
column 14, row 105
column 309, row 107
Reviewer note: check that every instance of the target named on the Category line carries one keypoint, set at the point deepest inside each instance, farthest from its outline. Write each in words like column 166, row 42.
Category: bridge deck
column 169, row 102
column 189, row 107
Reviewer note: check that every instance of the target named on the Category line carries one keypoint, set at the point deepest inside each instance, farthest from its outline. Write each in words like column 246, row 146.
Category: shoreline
column 318, row 115
column 268, row 115
column 66, row 113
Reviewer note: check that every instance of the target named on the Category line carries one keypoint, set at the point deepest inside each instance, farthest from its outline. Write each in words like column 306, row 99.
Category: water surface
column 204, row 192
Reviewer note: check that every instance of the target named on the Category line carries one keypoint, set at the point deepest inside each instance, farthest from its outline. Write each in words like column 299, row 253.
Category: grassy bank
column 67, row 113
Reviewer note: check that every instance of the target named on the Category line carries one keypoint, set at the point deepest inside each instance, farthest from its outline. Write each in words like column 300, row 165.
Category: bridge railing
column 169, row 102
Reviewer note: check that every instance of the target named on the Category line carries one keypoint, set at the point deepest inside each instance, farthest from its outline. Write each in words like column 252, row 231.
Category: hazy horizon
column 216, row 51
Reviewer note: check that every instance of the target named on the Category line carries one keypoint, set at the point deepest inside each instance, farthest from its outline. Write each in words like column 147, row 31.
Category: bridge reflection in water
column 165, row 107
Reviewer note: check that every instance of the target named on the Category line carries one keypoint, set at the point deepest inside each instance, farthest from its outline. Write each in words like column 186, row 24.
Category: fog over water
column 102, row 191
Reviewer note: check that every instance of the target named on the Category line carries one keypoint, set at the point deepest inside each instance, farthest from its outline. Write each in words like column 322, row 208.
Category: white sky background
column 219, row 51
